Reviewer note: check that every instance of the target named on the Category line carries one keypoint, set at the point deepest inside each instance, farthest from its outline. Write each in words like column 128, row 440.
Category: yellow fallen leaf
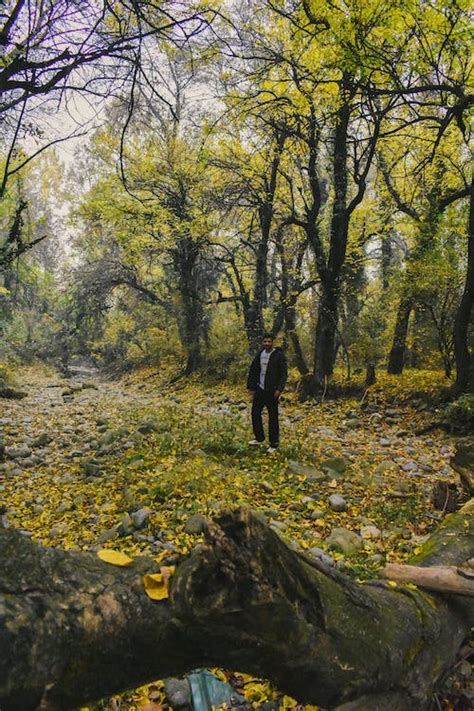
column 156, row 584
column 333, row 484
column 114, row 557
column 392, row 583
column 288, row 703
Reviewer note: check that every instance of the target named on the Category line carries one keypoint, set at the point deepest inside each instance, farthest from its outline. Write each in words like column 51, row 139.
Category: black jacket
column 277, row 371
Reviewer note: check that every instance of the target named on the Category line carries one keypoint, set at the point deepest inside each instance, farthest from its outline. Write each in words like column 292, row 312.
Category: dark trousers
column 261, row 399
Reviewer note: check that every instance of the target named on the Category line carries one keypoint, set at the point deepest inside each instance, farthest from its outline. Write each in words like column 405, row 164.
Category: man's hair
column 267, row 335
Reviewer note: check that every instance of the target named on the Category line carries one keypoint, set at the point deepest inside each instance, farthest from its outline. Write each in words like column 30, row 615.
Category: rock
column 41, row 440
column 20, row 452
column 316, row 514
column 327, row 432
column 318, row 553
column 12, row 394
column 197, row 523
column 386, row 466
column 305, row 470
column 385, row 442
column 370, row 532
column 109, row 534
column 305, row 500
column 337, row 502
column 334, row 465
column 147, row 425
column 344, row 540
column 91, row 467
column 139, row 517
column 409, row 467
column 125, row 526
column 266, row 486
column 64, row 506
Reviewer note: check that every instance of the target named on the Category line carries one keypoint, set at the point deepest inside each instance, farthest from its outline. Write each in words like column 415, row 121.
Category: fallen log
column 74, row 629
column 440, row 578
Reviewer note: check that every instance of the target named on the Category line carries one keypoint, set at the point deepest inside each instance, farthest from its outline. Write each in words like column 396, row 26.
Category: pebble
column 337, row 502
column 140, row 517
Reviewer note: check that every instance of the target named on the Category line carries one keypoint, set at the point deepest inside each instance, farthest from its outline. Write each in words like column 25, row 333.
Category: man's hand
column 277, row 393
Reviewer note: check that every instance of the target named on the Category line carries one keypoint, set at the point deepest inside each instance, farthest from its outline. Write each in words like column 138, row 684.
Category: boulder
column 345, row 541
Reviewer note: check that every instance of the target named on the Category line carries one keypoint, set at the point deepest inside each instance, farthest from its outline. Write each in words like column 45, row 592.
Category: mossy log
column 74, row 629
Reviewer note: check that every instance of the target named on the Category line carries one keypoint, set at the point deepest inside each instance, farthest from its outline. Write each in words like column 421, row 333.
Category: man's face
column 267, row 343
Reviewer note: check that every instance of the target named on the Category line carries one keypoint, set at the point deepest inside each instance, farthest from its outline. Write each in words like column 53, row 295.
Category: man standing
column 266, row 380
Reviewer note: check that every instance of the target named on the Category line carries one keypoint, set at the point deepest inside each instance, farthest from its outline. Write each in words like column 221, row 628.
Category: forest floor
column 136, row 466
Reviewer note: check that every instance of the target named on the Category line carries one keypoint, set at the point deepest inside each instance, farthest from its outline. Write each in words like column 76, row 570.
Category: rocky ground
column 137, row 466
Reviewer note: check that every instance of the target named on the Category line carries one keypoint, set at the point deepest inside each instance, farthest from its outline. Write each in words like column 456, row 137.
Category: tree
column 75, row 629
column 464, row 359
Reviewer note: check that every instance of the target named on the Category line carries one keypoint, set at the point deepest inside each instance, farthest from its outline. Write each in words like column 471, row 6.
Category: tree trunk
column 464, row 360
column 192, row 322
column 325, row 335
column 74, row 629
column 396, row 360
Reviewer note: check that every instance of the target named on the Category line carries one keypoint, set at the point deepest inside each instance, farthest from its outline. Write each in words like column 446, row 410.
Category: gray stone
column 327, row 432
column 139, row 517
column 41, row 440
column 197, row 523
column 409, row 467
column 316, row 514
column 147, row 425
column 310, row 472
column 125, row 526
column 20, row 452
column 386, row 466
column 345, row 541
column 266, row 486
column 178, row 693
column 91, row 468
column 334, row 465
column 370, row 532
column 318, row 553
column 337, row 502
column 108, row 535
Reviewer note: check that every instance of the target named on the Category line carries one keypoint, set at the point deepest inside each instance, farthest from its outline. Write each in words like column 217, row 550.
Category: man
column 266, row 380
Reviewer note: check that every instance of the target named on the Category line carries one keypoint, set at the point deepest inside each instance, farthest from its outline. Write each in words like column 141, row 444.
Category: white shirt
column 264, row 358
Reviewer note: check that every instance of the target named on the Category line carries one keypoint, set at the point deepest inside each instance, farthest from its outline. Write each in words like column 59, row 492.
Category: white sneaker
column 271, row 450
column 255, row 443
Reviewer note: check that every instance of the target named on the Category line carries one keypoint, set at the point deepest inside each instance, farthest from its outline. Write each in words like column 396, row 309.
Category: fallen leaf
column 114, row 557
column 156, row 584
